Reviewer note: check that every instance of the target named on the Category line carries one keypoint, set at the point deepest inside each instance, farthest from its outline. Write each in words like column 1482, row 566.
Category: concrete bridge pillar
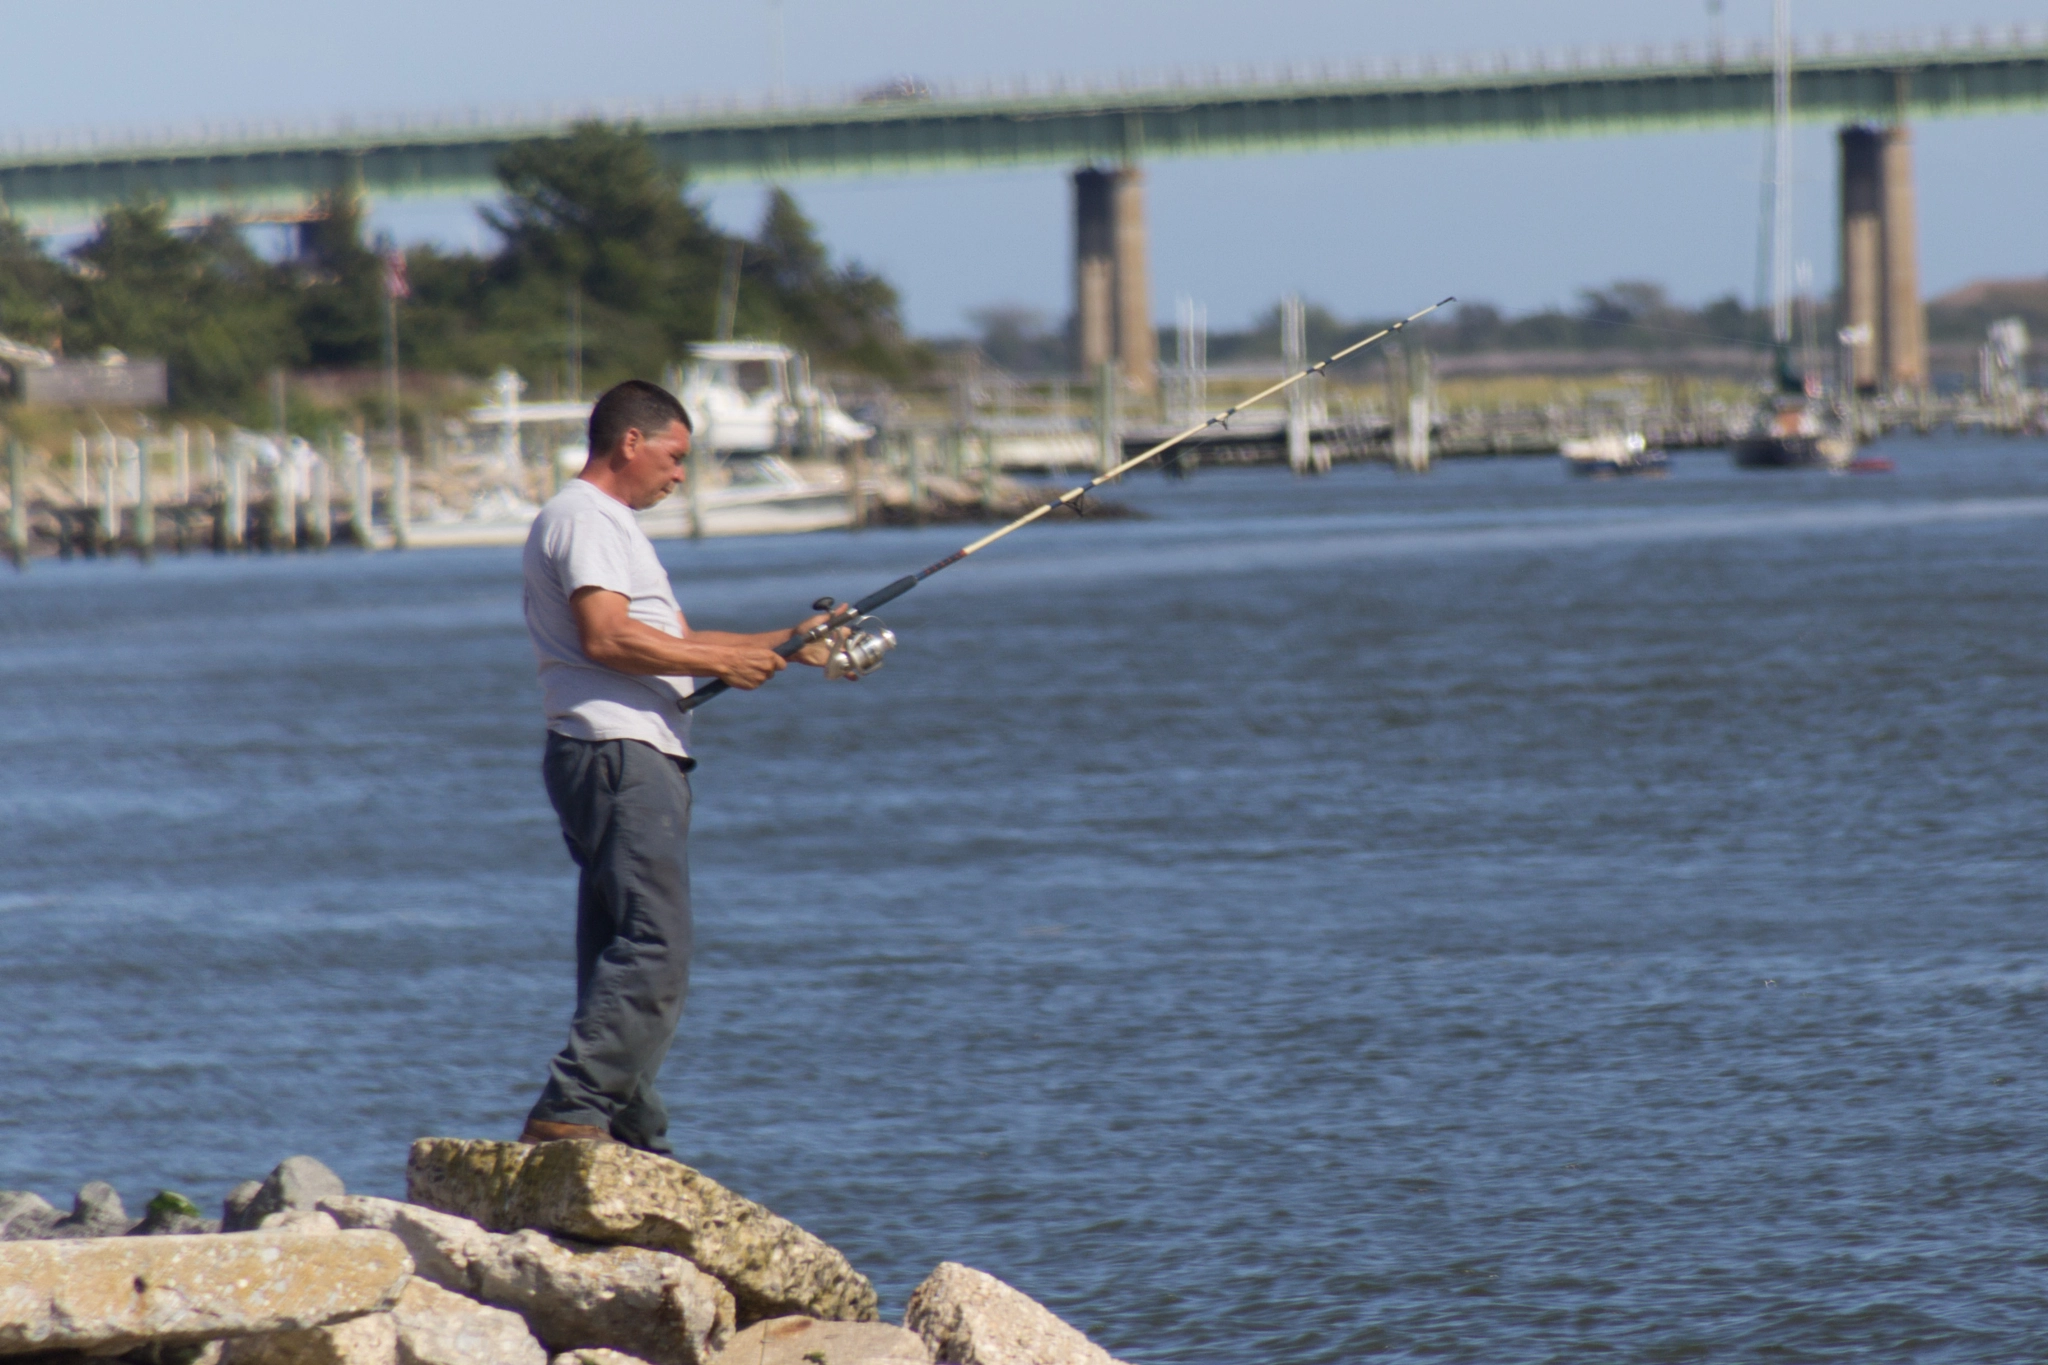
column 1112, row 289
column 1881, row 260
column 1905, row 316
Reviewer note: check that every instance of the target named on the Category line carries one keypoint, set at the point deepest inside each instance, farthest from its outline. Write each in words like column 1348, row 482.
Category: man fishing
column 616, row 657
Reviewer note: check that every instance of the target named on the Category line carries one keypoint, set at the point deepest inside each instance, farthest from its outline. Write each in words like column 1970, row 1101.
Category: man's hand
column 819, row 651
column 745, row 665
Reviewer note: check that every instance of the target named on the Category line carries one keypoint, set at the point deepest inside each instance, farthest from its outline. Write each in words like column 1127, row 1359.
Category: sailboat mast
column 1781, row 172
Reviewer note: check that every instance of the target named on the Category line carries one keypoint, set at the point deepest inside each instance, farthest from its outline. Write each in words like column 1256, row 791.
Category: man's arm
column 611, row 637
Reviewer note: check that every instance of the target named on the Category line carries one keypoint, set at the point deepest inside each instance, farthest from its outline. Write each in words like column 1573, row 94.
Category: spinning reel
column 861, row 649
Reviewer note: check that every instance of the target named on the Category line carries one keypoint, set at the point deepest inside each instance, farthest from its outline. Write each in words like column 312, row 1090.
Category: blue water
column 1480, row 917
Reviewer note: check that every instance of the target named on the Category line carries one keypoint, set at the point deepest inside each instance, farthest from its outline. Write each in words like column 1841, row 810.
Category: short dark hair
column 635, row 405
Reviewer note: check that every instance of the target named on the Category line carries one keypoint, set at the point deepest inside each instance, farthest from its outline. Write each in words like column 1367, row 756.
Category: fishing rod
column 867, row 640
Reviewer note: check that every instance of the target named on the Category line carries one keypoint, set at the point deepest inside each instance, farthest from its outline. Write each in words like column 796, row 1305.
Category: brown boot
column 540, row 1130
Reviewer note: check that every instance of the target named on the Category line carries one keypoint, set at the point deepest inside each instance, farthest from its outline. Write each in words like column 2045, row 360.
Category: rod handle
column 882, row 596
column 704, row 692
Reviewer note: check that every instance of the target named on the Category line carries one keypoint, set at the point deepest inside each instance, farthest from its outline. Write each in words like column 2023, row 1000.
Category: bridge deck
column 279, row 174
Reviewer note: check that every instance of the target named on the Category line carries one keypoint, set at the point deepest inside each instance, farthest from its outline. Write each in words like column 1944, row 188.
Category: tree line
column 1629, row 315
column 1634, row 316
column 595, row 236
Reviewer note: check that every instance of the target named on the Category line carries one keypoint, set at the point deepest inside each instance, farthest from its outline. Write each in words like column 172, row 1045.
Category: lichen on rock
column 608, row 1193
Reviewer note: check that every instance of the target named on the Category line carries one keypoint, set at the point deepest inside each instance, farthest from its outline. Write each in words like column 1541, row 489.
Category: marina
column 191, row 489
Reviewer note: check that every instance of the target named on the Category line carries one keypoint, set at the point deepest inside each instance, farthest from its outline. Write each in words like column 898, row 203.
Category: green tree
column 217, row 313
column 594, row 221
column 597, row 216
column 843, row 315
column 35, row 291
column 340, row 287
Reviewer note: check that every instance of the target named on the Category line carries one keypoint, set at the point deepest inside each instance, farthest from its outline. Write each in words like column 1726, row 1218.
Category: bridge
column 1111, row 131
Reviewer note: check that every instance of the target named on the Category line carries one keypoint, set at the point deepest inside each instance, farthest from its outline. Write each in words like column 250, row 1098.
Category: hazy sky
column 1366, row 231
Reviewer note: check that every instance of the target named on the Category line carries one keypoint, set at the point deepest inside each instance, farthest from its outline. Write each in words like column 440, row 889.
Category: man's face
column 655, row 465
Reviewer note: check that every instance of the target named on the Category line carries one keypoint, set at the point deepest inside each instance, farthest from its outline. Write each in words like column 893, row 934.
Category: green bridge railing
column 279, row 174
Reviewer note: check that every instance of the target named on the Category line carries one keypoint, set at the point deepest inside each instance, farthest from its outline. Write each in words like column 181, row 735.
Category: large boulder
column 299, row 1182
column 107, row 1294
column 970, row 1318
column 24, row 1216
column 609, row 1193
column 807, row 1341
column 439, row 1327
column 368, row 1340
column 650, row 1304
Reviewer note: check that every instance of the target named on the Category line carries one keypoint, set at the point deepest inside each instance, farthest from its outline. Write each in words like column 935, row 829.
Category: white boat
column 757, row 398
column 759, row 496
column 777, row 499
column 749, row 489
column 1613, row 452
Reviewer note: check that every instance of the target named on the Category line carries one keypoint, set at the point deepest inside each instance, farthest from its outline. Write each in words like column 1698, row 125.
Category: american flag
column 395, row 286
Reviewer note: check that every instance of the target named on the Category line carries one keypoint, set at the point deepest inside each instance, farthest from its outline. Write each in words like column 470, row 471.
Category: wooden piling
column 110, row 504
column 17, row 504
column 181, row 463
column 359, row 528
column 856, row 480
column 231, row 530
column 913, row 476
column 284, row 501
column 401, row 502
column 145, row 505
column 319, row 511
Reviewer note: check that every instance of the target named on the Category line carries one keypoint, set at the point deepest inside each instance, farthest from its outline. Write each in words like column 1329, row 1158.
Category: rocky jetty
column 567, row 1253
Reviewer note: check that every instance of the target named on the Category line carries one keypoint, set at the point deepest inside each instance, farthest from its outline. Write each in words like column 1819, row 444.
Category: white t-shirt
column 586, row 538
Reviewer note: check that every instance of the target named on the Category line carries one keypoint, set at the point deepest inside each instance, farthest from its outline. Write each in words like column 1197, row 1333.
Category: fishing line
column 868, row 640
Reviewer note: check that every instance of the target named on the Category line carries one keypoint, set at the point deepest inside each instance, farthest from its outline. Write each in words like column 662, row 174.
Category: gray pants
column 625, row 813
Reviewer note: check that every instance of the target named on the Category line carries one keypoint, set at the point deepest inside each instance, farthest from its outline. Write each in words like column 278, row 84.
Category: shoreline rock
column 298, row 1182
column 108, row 1294
column 652, row 1305
column 171, row 1214
column 97, row 1212
column 437, row 1326
column 575, row 1253
column 969, row 1317
column 25, row 1216
column 807, row 1341
column 614, row 1195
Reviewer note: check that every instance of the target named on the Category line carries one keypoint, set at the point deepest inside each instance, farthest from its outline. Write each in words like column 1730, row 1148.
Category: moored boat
column 1795, row 430
column 1607, row 454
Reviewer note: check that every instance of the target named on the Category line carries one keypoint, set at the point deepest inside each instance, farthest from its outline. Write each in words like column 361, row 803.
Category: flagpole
column 394, row 289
